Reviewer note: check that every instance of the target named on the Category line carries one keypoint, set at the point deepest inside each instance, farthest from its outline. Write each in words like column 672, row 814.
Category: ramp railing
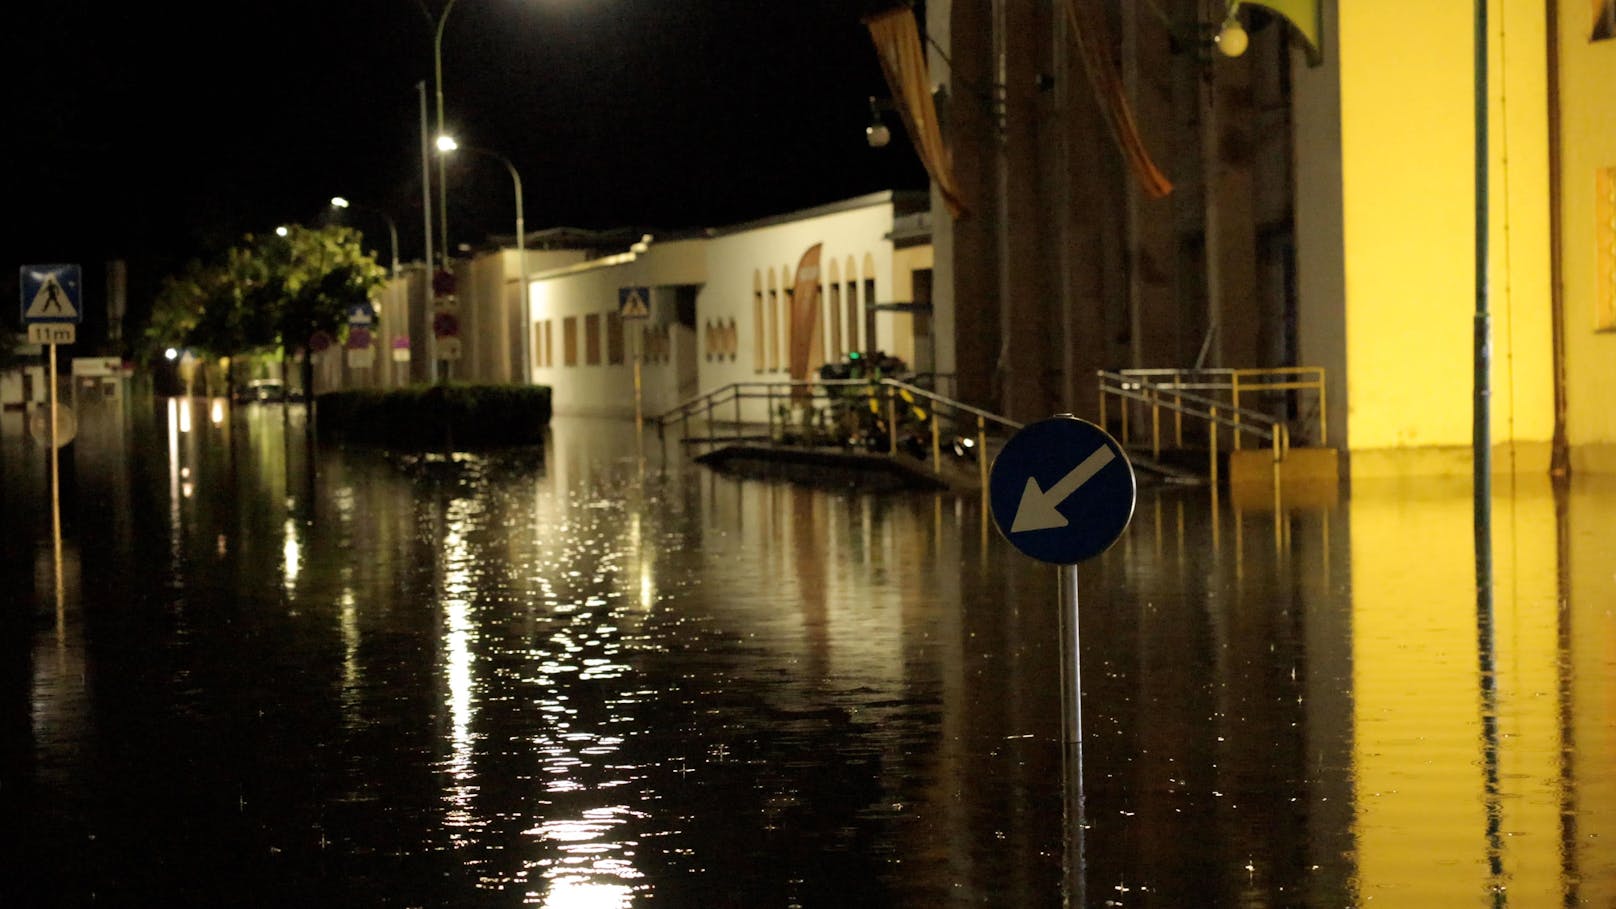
column 1136, row 389
column 882, row 415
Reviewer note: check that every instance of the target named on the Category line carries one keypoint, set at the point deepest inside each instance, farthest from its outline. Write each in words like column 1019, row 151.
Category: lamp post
column 447, row 144
column 392, row 229
column 437, row 76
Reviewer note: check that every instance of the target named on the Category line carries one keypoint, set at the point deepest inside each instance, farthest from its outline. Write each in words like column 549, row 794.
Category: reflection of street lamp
column 392, row 229
column 447, row 144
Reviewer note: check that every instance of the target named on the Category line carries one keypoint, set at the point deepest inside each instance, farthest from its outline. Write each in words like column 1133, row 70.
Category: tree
column 262, row 292
column 312, row 278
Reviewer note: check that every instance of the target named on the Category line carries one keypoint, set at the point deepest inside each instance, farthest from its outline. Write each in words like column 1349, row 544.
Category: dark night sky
column 157, row 132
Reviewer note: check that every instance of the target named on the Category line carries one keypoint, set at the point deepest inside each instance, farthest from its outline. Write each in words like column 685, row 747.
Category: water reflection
column 571, row 677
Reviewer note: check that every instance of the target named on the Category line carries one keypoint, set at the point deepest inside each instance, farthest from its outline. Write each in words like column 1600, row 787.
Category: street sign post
column 1062, row 491
column 634, row 303
column 52, row 307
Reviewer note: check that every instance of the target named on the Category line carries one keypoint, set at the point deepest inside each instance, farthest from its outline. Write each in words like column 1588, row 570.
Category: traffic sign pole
column 56, row 482
column 1072, row 721
column 1062, row 491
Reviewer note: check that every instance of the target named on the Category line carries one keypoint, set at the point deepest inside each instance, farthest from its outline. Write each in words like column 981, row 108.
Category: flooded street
column 289, row 674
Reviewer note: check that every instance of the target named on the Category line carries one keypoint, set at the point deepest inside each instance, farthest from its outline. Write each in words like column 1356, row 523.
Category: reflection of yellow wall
column 1588, row 140
column 1422, row 808
column 1408, row 201
column 1592, row 576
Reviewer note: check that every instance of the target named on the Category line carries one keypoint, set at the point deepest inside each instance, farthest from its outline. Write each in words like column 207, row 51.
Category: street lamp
column 437, row 76
column 392, row 229
column 447, row 144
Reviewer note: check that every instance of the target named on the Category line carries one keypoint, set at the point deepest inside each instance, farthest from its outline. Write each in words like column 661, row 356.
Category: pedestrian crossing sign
column 51, row 293
column 634, row 302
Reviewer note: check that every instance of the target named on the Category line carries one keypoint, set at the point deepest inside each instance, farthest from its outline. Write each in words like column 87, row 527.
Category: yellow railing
column 1237, row 387
column 1136, row 387
column 885, row 394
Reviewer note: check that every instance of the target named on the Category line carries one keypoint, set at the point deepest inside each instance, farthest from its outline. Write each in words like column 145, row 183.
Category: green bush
column 437, row 416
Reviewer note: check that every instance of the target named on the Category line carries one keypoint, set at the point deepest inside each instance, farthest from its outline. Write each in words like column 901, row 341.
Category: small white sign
column 97, row 366
column 361, row 357
column 52, row 332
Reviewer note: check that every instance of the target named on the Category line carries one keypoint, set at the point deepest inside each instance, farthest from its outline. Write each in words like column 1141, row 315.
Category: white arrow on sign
column 1037, row 508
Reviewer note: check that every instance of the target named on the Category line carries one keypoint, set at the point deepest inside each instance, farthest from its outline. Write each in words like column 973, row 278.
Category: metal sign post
column 634, row 305
column 1062, row 491
column 52, row 307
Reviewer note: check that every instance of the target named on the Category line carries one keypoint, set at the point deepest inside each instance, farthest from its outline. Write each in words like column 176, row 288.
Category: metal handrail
column 1237, row 381
column 736, row 392
column 1127, row 386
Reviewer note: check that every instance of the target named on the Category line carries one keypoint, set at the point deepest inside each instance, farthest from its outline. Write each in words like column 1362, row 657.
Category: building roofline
column 901, row 200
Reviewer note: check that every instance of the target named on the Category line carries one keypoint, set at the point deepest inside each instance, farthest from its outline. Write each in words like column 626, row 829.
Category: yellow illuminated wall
column 1407, row 214
column 1588, row 143
column 1420, row 748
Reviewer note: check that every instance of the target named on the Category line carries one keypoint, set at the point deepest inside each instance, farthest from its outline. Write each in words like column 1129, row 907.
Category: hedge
column 436, row 416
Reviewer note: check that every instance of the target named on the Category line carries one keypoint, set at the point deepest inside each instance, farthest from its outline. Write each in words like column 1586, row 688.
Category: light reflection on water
column 590, row 679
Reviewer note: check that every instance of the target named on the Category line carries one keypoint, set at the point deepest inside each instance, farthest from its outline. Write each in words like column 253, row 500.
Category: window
column 757, row 326
column 592, row 339
column 789, row 317
column 852, row 314
column 731, row 339
column 569, row 341
column 774, row 324
column 1604, row 20
column 707, row 345
column 833, row 310
column 614, row 338
column 539, row 359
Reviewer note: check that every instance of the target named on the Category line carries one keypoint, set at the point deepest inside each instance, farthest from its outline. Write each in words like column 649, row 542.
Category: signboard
column 361, row 314
column 401, row 349
column 634, row 302
column 52, row 332
column 1062, row 490
column 97, row 366
column 51, row 293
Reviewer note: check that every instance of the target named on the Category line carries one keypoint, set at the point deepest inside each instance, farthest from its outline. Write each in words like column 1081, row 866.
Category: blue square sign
column 52, row 293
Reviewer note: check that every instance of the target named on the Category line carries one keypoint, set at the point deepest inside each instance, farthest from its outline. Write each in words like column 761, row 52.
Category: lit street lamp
column 437, row 75
column 447, row 144
column 392, row 229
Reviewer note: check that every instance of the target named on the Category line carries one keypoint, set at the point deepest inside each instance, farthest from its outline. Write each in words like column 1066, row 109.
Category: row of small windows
column 720, row 339
column 543, row 340
column 842, row 304
column 656, row 342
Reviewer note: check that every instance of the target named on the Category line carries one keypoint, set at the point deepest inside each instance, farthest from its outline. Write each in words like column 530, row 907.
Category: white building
column 720, row 305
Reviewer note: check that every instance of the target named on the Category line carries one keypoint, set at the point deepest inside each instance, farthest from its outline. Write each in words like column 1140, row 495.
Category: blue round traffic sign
column 1062, row 490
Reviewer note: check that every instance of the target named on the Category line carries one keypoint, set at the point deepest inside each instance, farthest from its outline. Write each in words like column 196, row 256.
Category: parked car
column 264, row 390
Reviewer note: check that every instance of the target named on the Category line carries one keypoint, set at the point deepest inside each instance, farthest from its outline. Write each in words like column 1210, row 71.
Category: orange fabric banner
column 897, row 44
column 1093, row 48
column 805, row 350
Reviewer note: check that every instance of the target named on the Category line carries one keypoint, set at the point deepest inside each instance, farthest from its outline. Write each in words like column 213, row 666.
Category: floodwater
column 586, row 676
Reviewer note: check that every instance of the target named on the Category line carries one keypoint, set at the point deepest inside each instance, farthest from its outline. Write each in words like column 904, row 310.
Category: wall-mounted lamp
column 1231, row 39
column 878, row 134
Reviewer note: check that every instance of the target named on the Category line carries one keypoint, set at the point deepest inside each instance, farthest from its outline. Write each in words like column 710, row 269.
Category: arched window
column 833, row 312
column 854, row 314
column 869, row 301
column 757, row 321
column 731, row 342
column 774, row 323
